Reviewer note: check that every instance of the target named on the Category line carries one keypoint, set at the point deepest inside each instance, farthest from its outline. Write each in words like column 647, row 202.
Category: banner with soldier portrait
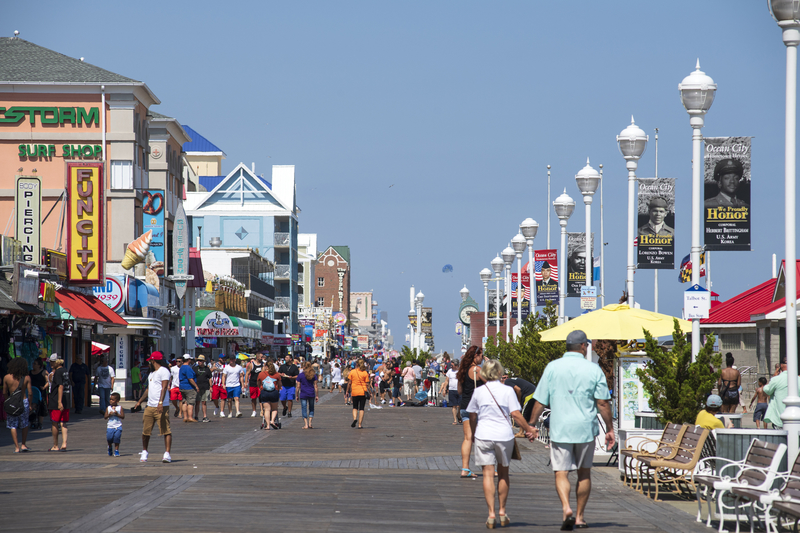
column 545, row 272
column 726, row 210
column 656, row 224
column 576, row 262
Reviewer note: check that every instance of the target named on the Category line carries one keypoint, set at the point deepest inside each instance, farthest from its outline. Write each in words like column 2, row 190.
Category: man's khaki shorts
column 569, row 456
column 189, row 396
column 152, row 417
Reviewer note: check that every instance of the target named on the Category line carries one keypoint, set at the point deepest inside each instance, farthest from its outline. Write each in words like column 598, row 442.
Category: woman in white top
column 336, row 376
column 490, row 411
column 453, row 397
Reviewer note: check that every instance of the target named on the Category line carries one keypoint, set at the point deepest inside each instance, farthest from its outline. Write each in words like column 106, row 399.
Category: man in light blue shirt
column 575, row 390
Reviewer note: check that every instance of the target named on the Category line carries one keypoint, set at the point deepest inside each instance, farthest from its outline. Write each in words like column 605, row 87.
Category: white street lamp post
column 420, row 337
column 787, row 13
column 508, row 258
column 486, row 276
column 697, row 94
column 497, row 266
column 518, row 243
column 632, row 144
column 588, row 179
column 564, row 205
column 529, row 229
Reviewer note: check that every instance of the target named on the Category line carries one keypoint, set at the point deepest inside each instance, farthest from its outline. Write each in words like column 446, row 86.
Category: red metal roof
column 737, row 310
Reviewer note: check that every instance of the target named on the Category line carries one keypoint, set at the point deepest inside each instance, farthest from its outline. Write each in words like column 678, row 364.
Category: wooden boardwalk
column 399, row 474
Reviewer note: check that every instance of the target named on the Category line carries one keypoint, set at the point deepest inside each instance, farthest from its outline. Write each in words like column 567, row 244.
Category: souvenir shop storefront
column 217, row 333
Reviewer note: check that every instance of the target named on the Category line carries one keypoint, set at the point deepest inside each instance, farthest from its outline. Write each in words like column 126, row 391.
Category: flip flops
column 469, row 474
column 568, row 524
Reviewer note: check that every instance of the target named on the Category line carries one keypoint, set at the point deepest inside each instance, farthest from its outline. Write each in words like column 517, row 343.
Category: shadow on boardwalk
column 398, row 474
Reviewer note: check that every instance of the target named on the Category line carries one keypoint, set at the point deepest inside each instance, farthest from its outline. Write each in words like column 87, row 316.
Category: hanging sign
column 656, row 223
column 85, row 239
column 576, row 262
column 545, row 272
column 153, row 217
column 696, row 302
column 726, row 210
column 112, row 293
column 28, row 209
column 180, row 250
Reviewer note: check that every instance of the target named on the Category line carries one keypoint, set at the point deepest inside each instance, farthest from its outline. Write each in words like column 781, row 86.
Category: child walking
column 762, row 402
column 114, row 414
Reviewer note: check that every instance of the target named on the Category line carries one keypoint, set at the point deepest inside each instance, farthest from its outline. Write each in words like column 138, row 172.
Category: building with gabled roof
column 245, row 210
column 333, row 279
column 752, row 324
column 203, row 161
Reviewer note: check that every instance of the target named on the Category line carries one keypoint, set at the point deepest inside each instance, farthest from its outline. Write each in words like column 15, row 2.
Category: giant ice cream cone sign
column 137, row 250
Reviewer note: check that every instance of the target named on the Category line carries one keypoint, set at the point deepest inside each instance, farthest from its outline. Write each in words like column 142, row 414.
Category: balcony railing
column 283, row 303
column 282, row 239
column 283, row 271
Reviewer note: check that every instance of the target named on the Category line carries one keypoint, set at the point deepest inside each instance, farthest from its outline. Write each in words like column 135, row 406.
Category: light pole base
column 791, row 423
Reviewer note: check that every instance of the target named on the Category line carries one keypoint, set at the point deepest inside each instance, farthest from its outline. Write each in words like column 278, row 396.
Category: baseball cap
column 156, row 356
column 187, row 357
column 201, row 357
column 577, row 337
column 714, row 401
column 54, row 357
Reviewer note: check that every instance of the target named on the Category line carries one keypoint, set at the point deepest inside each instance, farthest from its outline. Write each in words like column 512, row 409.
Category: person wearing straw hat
column 575, row 389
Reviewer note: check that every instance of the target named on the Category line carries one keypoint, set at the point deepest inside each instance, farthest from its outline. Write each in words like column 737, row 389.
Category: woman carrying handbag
column 490, row 412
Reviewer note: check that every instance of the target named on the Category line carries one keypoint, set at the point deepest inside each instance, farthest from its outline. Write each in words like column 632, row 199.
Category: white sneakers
column 230, row 415
column 166, row 459
column 239, row 415
column 222, row 414
column 216, row 412
column 383, row 402
column 253, row 415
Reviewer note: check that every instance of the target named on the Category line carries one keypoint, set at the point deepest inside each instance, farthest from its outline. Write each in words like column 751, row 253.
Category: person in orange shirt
column 360, row 386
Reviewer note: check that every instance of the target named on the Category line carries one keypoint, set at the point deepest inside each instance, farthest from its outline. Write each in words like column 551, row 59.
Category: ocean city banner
column 656, row 223
column 545, row 272
column 576, row 262
column 526, row 295
column 726, row 210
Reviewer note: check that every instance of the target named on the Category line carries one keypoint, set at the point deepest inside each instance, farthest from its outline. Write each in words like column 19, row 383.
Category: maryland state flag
column 685, row 273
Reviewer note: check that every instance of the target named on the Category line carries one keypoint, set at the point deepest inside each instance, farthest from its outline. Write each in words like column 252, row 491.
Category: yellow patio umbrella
column 617, row 322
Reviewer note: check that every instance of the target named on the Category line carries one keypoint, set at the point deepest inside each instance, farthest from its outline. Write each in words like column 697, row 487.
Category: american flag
column 537, row 271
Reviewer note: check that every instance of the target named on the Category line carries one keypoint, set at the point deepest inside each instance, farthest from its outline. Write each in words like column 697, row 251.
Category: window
column 321, row 301
column 320, row 282
column 122, row 174
column 750, row 341
column 730, row 341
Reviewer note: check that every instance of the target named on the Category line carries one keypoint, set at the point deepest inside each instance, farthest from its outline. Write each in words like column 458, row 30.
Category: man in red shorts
column 218, row 391
column 175, row 385
column 254, row 368
column 58, row 403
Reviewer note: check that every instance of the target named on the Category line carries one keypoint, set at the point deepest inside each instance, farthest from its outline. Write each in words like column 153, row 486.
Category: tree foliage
column 527, row 356
column 677, row 387
column 409, row 354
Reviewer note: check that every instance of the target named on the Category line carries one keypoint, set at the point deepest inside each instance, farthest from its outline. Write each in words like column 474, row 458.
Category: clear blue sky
column 421, row 131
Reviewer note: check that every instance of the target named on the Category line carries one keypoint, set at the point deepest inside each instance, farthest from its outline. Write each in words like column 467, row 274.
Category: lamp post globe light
column 697, row 94
column 497, row 265
column 508, row 259
column 632, row 144
column 588, row 179
column 419, row 299
column 529, row 228
column 519, row 243
column 486, row 276
column 787, row 13
column 564, row 206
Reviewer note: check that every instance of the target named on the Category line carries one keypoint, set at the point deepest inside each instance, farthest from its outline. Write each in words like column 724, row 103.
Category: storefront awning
column 8, row 305
column 82, row 307
column 218, row 324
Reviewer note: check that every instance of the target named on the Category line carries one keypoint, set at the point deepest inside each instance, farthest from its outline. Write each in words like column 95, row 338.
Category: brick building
column 333, row 279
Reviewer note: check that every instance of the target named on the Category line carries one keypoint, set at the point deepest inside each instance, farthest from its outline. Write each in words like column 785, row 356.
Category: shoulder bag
column 515, row 454
column 15, row 404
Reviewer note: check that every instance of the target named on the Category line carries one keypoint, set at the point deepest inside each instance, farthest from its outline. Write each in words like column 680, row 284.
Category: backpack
column 268, row 384
column 15, row 404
